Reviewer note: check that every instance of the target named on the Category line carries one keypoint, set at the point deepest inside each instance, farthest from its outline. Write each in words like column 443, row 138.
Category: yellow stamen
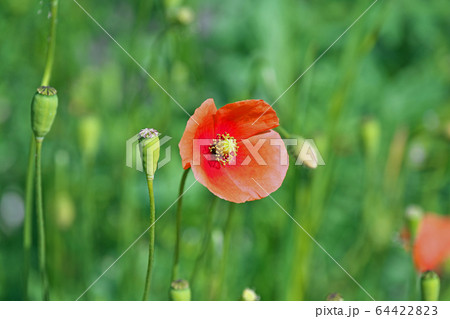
column 224, row 147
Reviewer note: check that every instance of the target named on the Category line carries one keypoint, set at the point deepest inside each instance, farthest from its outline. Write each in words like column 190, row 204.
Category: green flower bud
column 249, row 295
column 335, row 297
column 43, row 110
column 180, row 291
column 413, row 216
column 149, row 145
column 430, row 285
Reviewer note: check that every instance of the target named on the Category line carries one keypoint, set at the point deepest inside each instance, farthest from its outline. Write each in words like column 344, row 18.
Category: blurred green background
column 377, row 104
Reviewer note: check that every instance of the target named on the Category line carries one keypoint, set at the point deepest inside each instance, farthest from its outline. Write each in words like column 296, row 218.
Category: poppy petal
column 259, row 169
column 245, row 118
column 199, row 122
column 432, row 245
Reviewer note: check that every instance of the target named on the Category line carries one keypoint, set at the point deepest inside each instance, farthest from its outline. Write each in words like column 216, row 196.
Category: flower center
column 224, row 147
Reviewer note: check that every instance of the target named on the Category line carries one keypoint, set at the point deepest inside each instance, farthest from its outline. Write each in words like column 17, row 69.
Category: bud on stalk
column 149, row 147
column 43, row 111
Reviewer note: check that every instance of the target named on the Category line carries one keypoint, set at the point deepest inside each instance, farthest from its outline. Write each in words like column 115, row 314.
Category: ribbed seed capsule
column 43, row 110
column 180, row 291
column 149, row 145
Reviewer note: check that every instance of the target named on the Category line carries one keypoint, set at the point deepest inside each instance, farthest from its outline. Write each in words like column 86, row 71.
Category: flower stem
column 176, row 258
column 41, row 224
column 28, row 230
column 51, row 44
column 151, row 245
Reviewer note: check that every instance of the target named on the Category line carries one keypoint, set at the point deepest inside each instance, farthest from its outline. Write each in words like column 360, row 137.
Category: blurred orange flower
column 432, row 245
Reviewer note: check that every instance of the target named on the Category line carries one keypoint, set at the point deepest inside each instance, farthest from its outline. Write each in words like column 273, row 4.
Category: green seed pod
column 430, row 285
column 180, row 291
column 43, row 110
column 249, row 295
column 149, row 145
column 335, row 297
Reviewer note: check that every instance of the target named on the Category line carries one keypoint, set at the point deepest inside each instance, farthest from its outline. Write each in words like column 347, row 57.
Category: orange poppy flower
column 432, row 245
column 233, row 151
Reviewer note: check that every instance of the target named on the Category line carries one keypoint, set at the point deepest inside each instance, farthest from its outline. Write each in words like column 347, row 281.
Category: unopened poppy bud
column 43, row 110
column 180, row 291
column 249, row 295
column 414, row 215
column 335, row 297
column 149, row 145
column 430, row 285
column 304, row 153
